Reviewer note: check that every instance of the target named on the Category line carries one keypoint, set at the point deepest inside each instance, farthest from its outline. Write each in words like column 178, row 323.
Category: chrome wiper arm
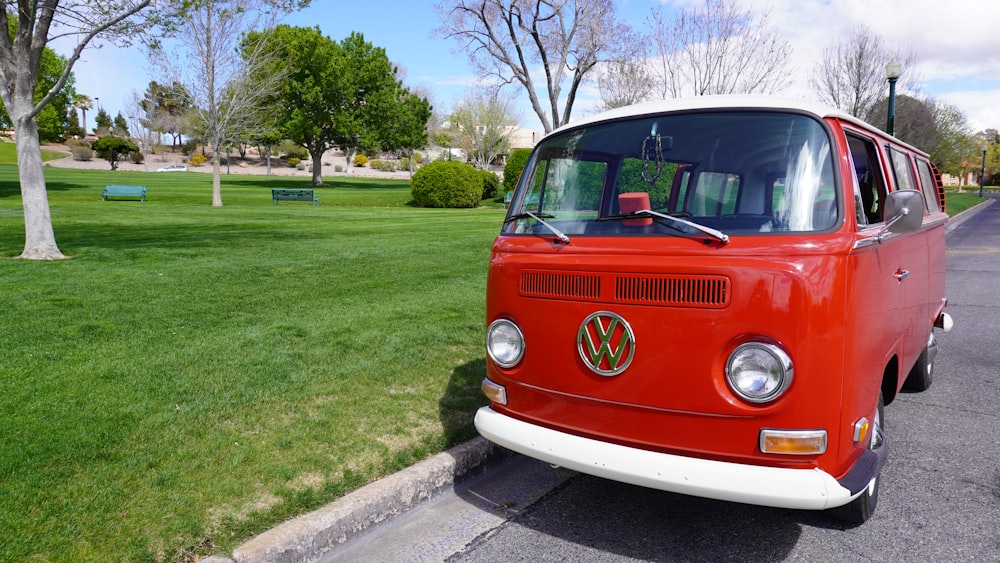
column 527, row 214
column 717, row 235
column 559, row 234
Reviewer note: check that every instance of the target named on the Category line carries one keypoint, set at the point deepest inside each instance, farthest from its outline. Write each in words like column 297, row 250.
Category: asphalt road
column 939, row 498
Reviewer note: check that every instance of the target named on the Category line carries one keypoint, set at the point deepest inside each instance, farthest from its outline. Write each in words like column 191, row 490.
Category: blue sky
column 956, row 44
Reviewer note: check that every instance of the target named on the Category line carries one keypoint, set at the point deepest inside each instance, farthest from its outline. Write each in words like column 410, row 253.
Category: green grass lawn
column 194, row 375
column 8, row 153
column 958, row 202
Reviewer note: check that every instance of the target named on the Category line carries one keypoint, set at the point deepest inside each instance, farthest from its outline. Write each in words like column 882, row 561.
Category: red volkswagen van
column 716, row 297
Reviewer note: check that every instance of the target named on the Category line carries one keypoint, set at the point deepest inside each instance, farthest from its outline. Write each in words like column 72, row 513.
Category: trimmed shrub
column 292, row 150
column 447, row 184
column 383, row 165
column 82, row 152
column 137, row 157
column 294, row 161
column 491, row 183
column 189, row 147
column 515, row 165
column 197, row 159
column 360, row 160
column 417, row 158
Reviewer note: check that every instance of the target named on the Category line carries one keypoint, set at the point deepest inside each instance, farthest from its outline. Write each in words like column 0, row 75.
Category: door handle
column 901, row 275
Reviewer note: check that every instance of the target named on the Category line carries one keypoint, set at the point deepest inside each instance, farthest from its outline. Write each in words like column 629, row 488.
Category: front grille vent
column 561, row 285
column 673, row 290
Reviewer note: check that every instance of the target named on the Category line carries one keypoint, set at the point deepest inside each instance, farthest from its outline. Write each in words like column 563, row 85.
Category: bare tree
column 851, row 76
column 483, row 123
column 718, row 49
column 140, row 123
column 37, row 23
column 510, row 40
column 221, row 74
column 625, row 82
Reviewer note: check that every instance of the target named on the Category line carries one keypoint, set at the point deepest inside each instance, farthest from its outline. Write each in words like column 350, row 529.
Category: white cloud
column 956, row 45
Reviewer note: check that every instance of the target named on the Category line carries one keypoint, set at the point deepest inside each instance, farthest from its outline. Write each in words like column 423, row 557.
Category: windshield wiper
column 717, row 235
column 526, row 214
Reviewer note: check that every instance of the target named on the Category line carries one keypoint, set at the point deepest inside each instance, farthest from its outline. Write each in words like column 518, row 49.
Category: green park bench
column 285, row 194
column 120, row 190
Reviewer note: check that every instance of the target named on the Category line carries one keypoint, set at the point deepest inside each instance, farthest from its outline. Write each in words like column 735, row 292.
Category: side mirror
column 905, row 212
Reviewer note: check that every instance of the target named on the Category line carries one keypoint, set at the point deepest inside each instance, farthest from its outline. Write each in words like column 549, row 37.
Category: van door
column 914, row 267
column 875, row 303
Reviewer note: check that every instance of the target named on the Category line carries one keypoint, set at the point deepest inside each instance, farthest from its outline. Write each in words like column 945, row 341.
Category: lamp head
column 894, row 69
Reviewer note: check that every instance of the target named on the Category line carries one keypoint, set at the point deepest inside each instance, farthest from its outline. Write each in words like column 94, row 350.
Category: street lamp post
column 892, row 72
column 982, row 171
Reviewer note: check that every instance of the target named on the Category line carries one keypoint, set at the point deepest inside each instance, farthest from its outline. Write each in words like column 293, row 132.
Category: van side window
column 871, row 182
column 928, row 185
column 903, row 170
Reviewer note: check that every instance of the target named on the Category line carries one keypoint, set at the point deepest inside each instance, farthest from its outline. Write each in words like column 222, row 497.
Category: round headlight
column 504, row 343
column 759, row 372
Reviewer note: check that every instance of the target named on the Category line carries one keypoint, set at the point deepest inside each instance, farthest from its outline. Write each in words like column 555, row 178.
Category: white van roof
column 735, row 101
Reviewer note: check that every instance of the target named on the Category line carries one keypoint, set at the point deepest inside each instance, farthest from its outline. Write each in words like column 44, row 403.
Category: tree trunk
column 39, row 238
column 216, row 181
column 317, row 167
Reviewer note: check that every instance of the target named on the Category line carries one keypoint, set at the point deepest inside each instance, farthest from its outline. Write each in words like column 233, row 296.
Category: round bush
column 490, row 184
column 82, row 153
column 447, row 184
column 515, row 164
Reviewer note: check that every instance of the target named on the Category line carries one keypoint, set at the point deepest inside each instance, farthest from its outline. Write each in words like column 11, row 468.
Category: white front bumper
column 809, row 489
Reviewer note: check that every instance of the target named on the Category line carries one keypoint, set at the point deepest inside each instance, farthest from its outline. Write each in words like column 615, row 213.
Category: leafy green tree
column 113, row 149
column 52, row 120
column 119, row 127
column 103, row 123
column 337, row 94
column 955, row 141
column 404, row 128
column 73, row 127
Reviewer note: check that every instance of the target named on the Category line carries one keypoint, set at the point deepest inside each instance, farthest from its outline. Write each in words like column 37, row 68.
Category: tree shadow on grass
column 169, row 236
column 13, row 189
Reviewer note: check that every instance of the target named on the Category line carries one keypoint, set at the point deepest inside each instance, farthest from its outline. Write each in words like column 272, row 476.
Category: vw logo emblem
column 606, row 343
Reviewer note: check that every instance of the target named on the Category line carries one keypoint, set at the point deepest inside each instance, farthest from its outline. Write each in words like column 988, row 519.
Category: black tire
column 922, row 374
column 859, row 510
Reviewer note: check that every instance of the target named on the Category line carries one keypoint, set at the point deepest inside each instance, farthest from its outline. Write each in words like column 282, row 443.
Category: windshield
column 729, row 172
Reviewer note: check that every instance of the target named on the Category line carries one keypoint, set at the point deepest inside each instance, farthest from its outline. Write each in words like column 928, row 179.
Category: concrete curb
column 310, row 536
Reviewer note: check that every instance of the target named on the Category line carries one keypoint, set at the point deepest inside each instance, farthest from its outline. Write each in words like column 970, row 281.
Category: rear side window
column 928, row 185
column 903, row 171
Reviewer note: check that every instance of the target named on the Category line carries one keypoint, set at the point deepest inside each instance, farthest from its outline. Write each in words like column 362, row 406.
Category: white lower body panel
column 809, row 489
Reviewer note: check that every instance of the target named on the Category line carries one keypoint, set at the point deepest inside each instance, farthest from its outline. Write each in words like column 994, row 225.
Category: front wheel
column 859, row 510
